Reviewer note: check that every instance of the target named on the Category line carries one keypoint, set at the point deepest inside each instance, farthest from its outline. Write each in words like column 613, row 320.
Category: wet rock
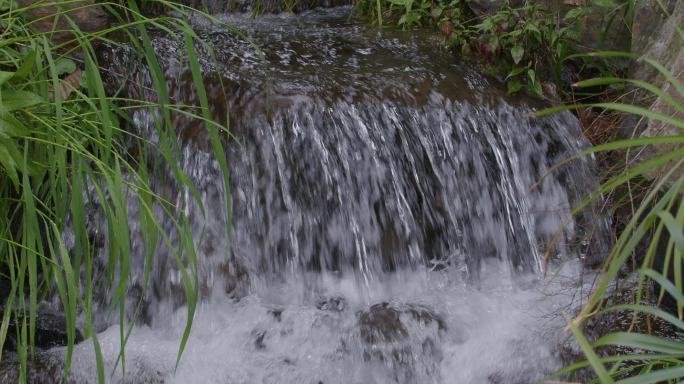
column 404, row 339
column 383, row 322
column 51, row 331
column 86, row 14
column 43, row 368
column 654, row 36
column 277, row 314
column 604, row 323
column 254, row 6
column 499, row 378
column 426, row 317
column 259, row 335
column 657, row 128
column 334, row 304
column 236, row 279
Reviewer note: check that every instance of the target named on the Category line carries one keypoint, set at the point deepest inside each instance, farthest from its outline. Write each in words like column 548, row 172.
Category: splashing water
column 384, row 229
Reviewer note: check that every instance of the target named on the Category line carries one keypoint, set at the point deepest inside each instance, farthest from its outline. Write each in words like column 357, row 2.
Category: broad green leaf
column 536, row 89
column 8, row 163
column 514, row 85
column 574, row 14
column 4, row 76
column 515, row 72
column 12, row 100
column 517, row 53
column 64, row 65
column 26, row 66
column 494, row 42
column 436, row 12
column 12, row 127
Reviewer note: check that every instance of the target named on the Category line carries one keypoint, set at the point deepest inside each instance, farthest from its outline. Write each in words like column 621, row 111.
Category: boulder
column 657, row 35
column 387, row 322
column 399, row 337
column 657, row 128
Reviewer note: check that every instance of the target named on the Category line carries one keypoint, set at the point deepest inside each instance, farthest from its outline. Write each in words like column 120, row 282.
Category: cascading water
column 384, row 224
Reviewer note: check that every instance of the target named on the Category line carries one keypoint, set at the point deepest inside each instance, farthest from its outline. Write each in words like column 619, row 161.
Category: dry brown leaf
column 68, row 84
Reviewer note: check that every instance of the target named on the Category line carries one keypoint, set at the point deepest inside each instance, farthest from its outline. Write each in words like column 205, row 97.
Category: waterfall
column 392, row 211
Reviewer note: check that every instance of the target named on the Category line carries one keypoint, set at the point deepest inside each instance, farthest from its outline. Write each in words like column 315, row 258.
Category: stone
column 399, row 337
column 383, row 323
column 44, row 367
column 50, row 330
column 612, row 35
column 48, row 15
column 657, row 128
column 655, row 36
column 334, row 304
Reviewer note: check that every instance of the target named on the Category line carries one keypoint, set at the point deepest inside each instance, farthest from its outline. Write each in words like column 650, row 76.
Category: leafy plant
column 655, row 236
column 526, row 46
column 61, row 135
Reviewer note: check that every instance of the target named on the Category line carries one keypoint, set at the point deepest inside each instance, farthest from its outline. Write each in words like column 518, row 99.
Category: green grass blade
column 592, row 358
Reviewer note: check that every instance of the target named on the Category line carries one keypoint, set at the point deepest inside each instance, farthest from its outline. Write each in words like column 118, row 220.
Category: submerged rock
column 381, row 323
column 334, row 304
column 385, row 322
column 51, row 330
column 655, row 36
column 399, row 336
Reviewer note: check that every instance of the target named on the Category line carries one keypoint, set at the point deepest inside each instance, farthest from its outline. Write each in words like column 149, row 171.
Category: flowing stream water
column 385, row 227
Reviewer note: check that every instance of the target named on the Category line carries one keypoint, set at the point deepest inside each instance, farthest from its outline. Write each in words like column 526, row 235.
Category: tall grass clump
column 647, row 259
column 64, row 146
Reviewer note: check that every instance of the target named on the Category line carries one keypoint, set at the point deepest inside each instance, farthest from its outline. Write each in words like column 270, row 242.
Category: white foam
column 501, row 332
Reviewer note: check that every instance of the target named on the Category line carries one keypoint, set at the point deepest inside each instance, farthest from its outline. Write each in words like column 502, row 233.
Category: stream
column 386, row 225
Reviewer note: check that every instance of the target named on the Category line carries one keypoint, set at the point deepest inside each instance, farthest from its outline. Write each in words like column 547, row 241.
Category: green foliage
column 61, row 136
column 526, row 46
column 654, row 235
